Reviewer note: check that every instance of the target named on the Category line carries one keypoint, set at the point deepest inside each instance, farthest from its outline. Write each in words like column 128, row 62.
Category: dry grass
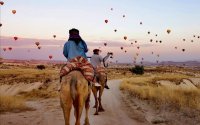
column 35, row 94
column 12, row 104
column 11, row 76
column 144, row 87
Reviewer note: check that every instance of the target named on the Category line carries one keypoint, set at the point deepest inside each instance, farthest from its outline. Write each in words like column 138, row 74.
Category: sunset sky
column 39, row 20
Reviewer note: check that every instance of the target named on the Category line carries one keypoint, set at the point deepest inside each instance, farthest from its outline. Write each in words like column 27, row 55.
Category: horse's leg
column 95, row 91
column 87, row 106
column 99, row 99
column 78, row 106
column 66, row 104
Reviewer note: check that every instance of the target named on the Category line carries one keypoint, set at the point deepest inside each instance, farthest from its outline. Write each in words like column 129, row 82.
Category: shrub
column 41, row 67
column 137, row 70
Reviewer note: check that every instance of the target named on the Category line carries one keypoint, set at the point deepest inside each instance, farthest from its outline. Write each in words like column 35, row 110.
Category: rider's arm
column 65, row 50
column 85, row 46
column 106, row 57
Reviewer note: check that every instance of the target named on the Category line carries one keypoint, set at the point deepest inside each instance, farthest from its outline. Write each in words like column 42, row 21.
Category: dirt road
column 49, row 112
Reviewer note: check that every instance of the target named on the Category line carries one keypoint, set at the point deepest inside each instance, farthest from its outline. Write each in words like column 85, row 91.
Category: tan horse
column 101, row 78
column 75, row 91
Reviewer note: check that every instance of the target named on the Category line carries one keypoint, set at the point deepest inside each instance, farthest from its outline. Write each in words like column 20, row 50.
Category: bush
column 41, row 67
column 137, row 70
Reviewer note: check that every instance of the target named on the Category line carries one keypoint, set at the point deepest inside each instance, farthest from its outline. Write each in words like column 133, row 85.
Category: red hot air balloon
column 168, row 31
column 1, row 3
column 15, row 38
column 54, row 36
column 122, row 48
column 37, row 43
column 106, row 21
column 125, row 37
column 14, row 11
column 50, row 56
column 4, row 49
column 105, row 44
column 10, row 48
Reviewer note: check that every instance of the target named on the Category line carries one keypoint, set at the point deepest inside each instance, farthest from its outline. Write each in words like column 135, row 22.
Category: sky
column 37, row 20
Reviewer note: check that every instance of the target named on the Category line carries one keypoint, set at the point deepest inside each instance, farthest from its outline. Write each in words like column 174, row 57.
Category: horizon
column 50, row 18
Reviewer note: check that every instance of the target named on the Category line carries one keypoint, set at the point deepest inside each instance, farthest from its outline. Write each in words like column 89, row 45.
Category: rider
column 96, row 60
column 76, row 47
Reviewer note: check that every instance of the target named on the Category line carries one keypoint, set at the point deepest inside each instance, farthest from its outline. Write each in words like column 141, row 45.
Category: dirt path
column 49, row 112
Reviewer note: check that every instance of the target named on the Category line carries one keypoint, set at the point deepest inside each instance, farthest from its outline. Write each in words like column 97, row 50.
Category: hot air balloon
column 123, row 16
column 4, row 49
column 183, row 39
column 125, row 37
column 175, row 47
column 111, row 9
column 183, row 50
column 10, row 48
column 157, row 61
column 168, row 31
column 1, row 2
column 151, row 52
column 151, row 40
column 122, row 48
column 160, row 41
column 198, row 37
column 50, row 56
column 125, row 51
column 141, row 62
column 135, row 41
column 158, row 55
column 131, row 43
column 137, row 54
column 37, row 43
column 142, row 58
column 192, row 41
column 15, row 38
column 148, row 32
column 194, row 36
column 105, row 44
column 14, row 11
column 140, row 23
column 0, row 24
column 115, row 30
column 156, row 35
column 54, row 36
column 106, row 21
column 138, row 47
column 156, row 41
column 39, row 47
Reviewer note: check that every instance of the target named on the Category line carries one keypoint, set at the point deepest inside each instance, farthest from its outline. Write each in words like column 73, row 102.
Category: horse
column 101, row 78
column 75, row 91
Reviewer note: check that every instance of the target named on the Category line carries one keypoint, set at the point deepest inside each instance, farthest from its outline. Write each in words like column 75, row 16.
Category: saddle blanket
column 81, row 64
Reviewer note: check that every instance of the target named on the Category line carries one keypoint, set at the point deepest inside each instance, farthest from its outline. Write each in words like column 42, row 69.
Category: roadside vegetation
column 146, row 88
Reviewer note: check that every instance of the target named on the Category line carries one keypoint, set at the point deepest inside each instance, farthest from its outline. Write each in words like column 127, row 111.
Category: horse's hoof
column 96, row 113
column 101, row 110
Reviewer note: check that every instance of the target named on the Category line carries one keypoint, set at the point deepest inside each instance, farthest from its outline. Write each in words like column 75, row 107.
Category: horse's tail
column 73, row 88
